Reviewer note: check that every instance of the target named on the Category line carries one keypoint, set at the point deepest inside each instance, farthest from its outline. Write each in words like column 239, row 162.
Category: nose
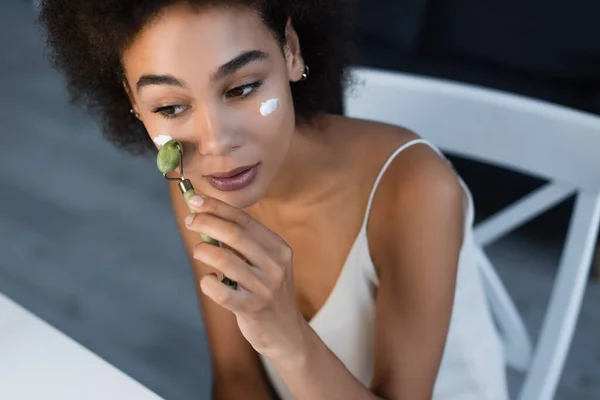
column 216, row 134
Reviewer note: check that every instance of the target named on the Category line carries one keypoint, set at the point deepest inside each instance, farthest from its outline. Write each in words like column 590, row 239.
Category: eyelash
column 252, row 86
column 170, row 111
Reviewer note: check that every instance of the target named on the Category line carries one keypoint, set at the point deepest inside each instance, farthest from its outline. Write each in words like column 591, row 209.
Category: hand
column 261, row 263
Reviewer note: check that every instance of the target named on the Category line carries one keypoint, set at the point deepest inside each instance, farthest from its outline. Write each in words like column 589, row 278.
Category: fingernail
column 189, row 219
column 196, row 201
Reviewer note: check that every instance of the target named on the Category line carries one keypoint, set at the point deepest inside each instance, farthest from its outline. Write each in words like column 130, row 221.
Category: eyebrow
column 229, row 68
column 238, row 63
column 147, row 80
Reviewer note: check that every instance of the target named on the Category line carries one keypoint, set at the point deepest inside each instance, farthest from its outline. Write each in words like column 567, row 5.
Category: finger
column 233, row 300
column 202, row 204
column 254, row 241
column 232, row 235
column 232, row 266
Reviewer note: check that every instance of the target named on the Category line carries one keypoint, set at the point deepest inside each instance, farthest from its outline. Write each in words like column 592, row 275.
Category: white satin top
column 473, row 365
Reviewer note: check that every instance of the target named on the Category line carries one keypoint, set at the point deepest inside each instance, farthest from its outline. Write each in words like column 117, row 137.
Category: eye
column 170, row 111
column 243, row 91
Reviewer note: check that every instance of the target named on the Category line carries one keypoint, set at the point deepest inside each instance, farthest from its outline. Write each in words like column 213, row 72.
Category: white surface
column 39, row 362
column 522, row 134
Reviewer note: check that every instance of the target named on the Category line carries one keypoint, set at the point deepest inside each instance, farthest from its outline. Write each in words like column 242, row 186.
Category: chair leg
column 596, row 263
column 516, row 340
column 565, row 302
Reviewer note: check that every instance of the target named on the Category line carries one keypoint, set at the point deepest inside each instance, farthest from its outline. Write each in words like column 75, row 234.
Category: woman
column 379, row 223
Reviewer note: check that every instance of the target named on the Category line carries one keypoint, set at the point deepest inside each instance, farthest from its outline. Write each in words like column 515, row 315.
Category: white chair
column 521, row 134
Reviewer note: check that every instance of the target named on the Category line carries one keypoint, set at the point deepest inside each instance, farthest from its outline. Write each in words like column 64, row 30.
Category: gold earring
column 305, row 73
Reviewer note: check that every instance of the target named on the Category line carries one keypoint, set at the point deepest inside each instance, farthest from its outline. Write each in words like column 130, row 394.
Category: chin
column 241, row 198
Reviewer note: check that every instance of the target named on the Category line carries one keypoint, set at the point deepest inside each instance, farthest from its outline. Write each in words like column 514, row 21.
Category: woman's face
column 217, row 81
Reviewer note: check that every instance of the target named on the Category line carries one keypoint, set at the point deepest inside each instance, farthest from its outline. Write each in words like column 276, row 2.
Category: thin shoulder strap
column 385, row 167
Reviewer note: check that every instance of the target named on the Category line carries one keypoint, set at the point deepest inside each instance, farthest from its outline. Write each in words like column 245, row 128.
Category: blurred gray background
column 89, row 242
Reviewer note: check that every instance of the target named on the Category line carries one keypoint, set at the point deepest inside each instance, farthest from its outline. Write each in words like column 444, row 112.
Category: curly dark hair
column 87, row 37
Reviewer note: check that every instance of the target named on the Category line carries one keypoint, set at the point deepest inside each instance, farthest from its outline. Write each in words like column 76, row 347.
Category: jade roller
column 170, row 156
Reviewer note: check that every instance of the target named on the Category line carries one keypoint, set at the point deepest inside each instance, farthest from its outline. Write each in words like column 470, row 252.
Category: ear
column 127, row 89
column 293, row 54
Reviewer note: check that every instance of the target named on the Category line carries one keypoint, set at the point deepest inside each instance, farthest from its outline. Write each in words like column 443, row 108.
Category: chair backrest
column 514, row 132
column 526, row 135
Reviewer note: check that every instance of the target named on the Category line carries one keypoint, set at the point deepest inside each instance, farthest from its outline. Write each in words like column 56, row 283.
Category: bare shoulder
column 417, row 185
column 374, row 138
column 417, row 167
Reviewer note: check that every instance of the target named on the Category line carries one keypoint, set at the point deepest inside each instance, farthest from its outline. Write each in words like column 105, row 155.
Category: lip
column 235, row 179
column 232, row 172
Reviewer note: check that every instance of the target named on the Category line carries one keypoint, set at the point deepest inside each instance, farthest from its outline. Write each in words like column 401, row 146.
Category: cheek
column 273, row 104
column 161, row 130
column 275, row 116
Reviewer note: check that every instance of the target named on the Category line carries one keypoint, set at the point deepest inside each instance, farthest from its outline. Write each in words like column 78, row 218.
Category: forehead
column 181, row 35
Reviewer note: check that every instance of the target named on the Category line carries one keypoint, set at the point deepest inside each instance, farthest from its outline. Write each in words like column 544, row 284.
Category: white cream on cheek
column 268, row 107
column 160, row 140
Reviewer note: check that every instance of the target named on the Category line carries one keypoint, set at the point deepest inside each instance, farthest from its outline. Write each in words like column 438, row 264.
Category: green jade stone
column 169, row 157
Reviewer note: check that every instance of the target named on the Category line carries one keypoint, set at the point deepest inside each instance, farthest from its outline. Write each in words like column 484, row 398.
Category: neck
column 301, row 176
